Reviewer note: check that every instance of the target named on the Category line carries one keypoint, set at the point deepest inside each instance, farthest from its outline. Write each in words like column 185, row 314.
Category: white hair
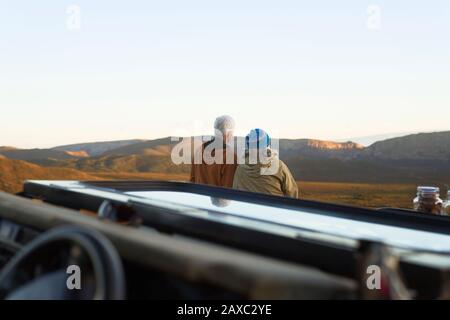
column 224, row 124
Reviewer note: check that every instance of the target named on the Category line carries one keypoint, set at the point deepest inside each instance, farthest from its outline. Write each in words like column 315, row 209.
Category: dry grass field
column 13, row 173
column 139, row 176
column 360, row 194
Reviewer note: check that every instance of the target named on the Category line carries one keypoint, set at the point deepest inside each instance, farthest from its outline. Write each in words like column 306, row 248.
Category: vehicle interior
column 176, row 240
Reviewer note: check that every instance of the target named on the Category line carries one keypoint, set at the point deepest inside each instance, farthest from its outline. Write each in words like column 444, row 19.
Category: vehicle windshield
column 188, row 209
column 305, row 220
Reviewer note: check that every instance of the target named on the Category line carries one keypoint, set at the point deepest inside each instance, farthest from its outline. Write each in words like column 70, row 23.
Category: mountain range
column 95, row 149
column 417, row 158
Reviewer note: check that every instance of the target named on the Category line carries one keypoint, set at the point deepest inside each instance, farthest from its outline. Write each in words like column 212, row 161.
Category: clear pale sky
column 148, row 69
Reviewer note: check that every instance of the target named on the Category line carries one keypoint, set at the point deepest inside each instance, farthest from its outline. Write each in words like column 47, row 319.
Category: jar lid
column 428, row 190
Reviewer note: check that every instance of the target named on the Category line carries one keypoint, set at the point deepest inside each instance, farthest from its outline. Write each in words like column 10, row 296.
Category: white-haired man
column 215, row 162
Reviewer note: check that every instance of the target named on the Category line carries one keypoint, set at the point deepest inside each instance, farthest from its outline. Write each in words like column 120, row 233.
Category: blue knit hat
column 258, row 138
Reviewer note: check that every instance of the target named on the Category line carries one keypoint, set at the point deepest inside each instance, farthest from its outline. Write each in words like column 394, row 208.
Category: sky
column 83, row 71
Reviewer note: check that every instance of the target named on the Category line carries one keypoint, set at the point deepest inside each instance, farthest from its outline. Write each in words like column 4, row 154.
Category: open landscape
column 384, row 174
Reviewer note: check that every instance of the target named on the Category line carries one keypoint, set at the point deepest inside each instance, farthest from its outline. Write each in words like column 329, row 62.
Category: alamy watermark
column 221, row 149
column 74, row 279
column 374, row 17
column 73, row 20
column 374, row 277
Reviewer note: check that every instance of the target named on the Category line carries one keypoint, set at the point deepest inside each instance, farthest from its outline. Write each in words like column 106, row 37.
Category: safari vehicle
column 173, row 240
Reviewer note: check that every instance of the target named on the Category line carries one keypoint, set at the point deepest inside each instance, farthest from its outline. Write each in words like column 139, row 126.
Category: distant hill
column 423, row 146
column 95, row 149
column 155, row 155
column 141, row 147
column 369, row 171
column 287, row 147
column 6, row 149
column 417, row 158
column 39, row 156
column 145, row 156
column 13, row 174
column 127, row 163
column 318, row 148
column 53, row 156
column 78, row 154
column 369, row 140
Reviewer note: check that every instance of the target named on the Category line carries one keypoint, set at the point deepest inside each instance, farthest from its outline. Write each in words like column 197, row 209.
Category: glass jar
column 428, row 201
column 446, row 210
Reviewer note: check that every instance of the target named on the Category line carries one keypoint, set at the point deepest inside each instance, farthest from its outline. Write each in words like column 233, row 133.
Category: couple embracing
column 255, row 167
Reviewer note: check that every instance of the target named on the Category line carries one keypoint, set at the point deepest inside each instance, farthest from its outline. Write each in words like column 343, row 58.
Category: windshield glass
column 302, row 220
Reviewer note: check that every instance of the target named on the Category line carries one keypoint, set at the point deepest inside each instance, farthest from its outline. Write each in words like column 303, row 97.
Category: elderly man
column 215, row 162
column 263, row 171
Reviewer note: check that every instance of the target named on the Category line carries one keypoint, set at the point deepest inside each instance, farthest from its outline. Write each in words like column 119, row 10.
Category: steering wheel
column 65, row 263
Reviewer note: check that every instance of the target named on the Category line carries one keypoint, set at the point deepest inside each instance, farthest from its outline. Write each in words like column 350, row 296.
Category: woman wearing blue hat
column 263, row 171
